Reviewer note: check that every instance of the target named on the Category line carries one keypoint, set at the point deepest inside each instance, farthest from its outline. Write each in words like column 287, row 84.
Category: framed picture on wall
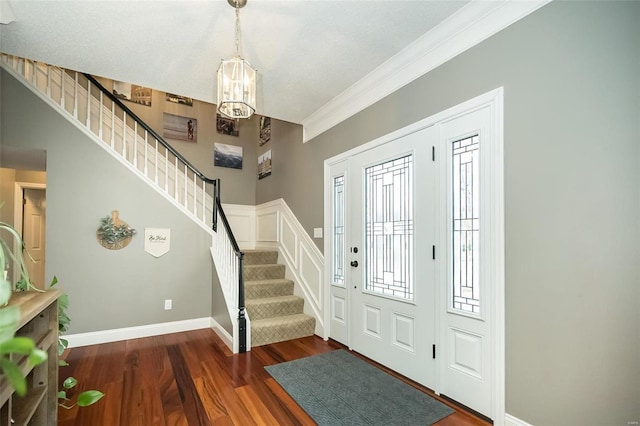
column 226, row 126
column 177, row 99
column 265, row 130
column 264, row 165
column 132, row 93
column 179, row 128
column 227, row 156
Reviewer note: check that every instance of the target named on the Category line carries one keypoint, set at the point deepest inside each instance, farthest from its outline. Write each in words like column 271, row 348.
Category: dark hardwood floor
column 192, row 378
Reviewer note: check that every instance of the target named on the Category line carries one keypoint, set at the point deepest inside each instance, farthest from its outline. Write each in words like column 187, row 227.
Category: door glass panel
column 466, row 224
column 389, row 228
column 338, row 231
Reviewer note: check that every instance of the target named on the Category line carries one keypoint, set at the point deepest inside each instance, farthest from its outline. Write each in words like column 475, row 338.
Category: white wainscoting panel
column 311, row 274
column 242, row 220
column 266, row 227
column 288, row 239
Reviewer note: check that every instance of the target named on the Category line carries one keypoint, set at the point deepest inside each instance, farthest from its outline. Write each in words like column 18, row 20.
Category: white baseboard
column 510, row 420
column 118, row 334
column 222, row 334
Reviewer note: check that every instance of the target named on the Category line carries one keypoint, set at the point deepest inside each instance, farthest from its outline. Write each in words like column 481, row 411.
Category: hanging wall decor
column 265, row 130
column 157, row 241
column 264, row 165
column 113, row 233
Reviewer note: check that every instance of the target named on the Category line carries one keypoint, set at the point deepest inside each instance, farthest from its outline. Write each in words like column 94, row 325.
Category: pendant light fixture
column 236, row 79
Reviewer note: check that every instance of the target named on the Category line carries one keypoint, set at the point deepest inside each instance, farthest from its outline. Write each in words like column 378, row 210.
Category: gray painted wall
column 107, row 289
column 571, row 75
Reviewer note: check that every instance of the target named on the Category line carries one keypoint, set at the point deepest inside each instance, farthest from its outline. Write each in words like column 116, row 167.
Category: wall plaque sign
column 157, row 241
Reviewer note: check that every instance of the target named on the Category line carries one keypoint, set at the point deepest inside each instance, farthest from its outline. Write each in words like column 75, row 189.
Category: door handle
column 354, row 263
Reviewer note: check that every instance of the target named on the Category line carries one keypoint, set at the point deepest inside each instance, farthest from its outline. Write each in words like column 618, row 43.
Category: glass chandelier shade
column 236, row 88
column 237, row 79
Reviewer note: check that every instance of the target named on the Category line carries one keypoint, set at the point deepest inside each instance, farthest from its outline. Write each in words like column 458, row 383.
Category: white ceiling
column 307, row 52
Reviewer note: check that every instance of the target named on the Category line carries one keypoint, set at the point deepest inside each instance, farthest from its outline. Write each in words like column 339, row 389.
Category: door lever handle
column 354, row 263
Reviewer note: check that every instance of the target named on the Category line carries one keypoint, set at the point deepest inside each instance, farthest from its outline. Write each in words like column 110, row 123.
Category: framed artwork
column 227, row 156
column 132, row 93
column 226, row 126
column 177, row 99
column 265, row 130
column 264, row 165
column 179, row 128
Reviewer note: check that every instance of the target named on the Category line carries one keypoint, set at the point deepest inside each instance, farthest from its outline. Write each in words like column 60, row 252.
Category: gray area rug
column 338, row 388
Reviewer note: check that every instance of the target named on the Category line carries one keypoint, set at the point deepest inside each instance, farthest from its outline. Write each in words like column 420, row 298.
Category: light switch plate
column 317, row 232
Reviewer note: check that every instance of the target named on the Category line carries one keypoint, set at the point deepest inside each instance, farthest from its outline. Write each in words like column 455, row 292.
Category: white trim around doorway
column 494, row 100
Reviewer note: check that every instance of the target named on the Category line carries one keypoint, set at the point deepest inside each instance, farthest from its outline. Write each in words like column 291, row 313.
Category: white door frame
column 18, row 195
column 493, row 100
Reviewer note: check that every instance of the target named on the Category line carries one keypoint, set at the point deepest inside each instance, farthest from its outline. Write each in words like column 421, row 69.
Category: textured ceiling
column 306, row 51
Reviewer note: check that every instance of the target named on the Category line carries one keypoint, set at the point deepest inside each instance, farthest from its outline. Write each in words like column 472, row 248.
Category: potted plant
column 10, row 316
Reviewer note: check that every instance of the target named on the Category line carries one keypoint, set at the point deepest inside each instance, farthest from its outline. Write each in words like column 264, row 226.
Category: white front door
column 467, row 291
column 417, row 284
column 391, row 269
column 33, row 234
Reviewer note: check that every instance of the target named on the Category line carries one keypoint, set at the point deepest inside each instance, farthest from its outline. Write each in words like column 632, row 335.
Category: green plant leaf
column 62, row 363
column 14, row 376
column 17, row 345
column 9, row 318
column 62, row 395
column 54, row 281
column 5, row 290
column 69, row 382
column 89, row 397
column 62, row 345
column 37, row 357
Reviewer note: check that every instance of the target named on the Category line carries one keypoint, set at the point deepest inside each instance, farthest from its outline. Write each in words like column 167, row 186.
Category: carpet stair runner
column 276, row 313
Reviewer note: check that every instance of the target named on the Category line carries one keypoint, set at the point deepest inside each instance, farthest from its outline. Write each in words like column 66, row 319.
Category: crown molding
column 466, row 28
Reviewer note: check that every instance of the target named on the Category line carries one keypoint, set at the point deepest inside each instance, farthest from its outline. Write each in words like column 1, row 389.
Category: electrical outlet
column 167, row 304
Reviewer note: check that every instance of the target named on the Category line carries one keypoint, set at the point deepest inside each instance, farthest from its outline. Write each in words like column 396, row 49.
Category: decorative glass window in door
column 466, row 224
column 388, row 217
column 338, row 231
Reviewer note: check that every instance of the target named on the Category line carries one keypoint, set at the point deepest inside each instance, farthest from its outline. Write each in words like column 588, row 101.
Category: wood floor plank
column 193, row 379
column 256, row 408
column 191, row 403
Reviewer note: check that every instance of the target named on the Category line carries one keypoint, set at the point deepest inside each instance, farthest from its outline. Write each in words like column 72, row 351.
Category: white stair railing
column 85, row 102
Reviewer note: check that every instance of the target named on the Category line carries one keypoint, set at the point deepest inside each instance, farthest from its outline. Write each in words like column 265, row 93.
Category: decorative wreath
column 113, row 233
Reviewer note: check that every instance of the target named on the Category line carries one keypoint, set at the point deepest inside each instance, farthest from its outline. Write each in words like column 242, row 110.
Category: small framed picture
column 226, row 126
column 177, row 99
column 132, row 93
column 265, row 130
column 264, row 165
column 227, row 156
column 179, row 128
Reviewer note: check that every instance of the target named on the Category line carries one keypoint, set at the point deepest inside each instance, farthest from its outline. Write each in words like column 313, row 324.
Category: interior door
column 391, row 267
column 464, row 269
column 33, row 234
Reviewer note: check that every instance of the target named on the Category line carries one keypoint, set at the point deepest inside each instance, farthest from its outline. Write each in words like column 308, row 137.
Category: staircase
column 275, row 312
column 82, row 100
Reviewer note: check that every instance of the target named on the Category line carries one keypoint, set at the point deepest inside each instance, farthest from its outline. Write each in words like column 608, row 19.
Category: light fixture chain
column 238, row 44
